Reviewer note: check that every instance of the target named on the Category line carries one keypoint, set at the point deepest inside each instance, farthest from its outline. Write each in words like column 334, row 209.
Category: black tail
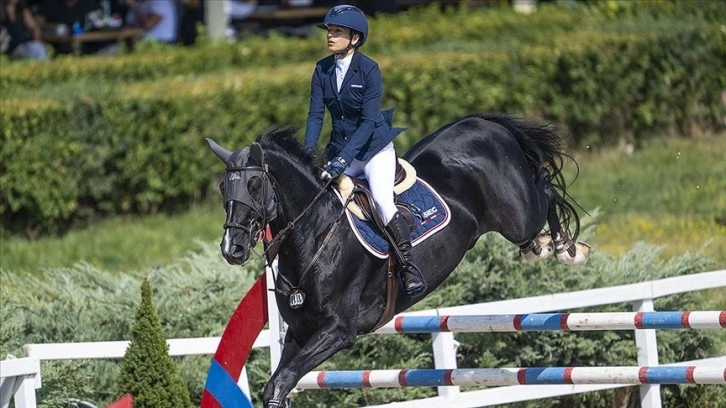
column 543, row 148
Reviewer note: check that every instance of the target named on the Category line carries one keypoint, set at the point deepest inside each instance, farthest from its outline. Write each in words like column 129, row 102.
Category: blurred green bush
column 196, row 296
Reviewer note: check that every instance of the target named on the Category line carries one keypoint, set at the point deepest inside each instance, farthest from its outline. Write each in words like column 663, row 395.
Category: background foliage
column 85, row 139
column 196, row 296
column 94, row 145
column 147, row 371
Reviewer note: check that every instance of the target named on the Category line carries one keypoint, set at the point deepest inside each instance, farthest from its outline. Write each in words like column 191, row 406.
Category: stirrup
column 538, row 249
column 570, row 252
column 413, row 270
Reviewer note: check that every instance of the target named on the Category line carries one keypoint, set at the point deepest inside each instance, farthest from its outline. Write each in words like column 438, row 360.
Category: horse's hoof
column 569, row 252
column 538, row 249
column 276, row 404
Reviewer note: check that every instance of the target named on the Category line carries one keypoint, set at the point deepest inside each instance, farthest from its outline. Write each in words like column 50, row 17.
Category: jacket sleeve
column 370, row 110
column 316, row 112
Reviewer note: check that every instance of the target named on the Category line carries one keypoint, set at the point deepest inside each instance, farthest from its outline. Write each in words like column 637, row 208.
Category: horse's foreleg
column 295, row 363
column 289, row 350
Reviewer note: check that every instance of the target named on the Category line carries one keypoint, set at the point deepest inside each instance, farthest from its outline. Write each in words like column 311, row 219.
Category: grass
column 119, row 244
column 667, row 193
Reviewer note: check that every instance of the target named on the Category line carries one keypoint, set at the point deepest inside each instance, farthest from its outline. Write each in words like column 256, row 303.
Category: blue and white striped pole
column 557, row 322
column 513, row 376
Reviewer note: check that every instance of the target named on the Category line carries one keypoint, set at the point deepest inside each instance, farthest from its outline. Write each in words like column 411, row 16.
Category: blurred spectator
column 192, row 14
column 21, row 30
column 241, row 9
column 61, row 17
column 237, row 11
column 159, row 18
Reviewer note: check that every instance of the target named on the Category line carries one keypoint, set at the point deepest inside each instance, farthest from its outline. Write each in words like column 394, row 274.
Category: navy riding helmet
column 350, row 17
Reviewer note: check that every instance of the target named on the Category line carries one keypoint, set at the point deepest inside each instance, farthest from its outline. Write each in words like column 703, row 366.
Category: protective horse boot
column 411, row 278
column 570, row 252
column 537, row 249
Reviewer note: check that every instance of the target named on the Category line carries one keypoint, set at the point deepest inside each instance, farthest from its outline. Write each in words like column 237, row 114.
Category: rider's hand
column 334, row 168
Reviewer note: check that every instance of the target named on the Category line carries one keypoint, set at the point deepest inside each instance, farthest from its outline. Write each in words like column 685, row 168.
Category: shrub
column 147, row 371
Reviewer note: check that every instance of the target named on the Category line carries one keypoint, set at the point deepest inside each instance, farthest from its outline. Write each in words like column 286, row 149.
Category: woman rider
column 361, row 143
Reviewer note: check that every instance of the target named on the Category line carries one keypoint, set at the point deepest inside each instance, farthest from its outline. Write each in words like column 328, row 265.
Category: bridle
column 236, row 188
column 267, row 209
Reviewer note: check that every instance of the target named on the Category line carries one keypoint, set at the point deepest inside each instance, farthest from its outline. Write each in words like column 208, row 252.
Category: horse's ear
column 256, row 154
column 220, row 151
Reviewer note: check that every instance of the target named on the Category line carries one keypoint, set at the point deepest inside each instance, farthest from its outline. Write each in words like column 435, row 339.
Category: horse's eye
column 254, row 186
column 221, row 187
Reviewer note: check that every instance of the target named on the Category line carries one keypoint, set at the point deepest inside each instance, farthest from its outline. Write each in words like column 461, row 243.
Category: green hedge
column 491, row 28
column 140, row 149
column 426, row 29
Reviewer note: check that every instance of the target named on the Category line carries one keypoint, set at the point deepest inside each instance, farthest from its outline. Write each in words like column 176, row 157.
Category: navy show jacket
column 360, row 129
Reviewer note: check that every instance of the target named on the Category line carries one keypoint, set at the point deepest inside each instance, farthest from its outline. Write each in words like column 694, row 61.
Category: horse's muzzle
column 234, row 253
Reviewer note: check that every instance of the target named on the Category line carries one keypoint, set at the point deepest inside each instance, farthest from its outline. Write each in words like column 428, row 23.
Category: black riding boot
column 412, row 281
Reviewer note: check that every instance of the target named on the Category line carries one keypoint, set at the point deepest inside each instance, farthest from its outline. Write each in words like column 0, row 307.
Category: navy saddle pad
column 430, row 212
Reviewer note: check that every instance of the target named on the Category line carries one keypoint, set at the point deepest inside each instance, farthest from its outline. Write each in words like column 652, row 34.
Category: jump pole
column 513, row 376
column 557, row 322
column 248, row 320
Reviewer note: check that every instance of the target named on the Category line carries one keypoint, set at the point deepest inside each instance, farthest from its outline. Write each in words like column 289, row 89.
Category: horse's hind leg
column 541, row 247
column 293, row 365
column 537, row 249
column 566, row 250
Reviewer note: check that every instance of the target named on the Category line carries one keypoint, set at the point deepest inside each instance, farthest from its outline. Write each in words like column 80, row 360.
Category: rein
column 272, row 247
column 295, row 295
column 311, row 263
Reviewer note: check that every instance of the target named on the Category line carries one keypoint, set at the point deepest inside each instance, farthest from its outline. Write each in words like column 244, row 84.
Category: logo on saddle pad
column 431, row 213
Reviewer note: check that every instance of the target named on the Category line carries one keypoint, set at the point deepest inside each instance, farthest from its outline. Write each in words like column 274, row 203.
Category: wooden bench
column 77, row 40
column 289, row 13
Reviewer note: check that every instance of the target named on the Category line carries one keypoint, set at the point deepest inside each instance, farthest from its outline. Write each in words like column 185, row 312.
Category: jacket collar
column 353, row 68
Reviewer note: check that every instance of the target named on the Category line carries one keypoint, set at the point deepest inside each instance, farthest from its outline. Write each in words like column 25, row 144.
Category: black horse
column 496, row 173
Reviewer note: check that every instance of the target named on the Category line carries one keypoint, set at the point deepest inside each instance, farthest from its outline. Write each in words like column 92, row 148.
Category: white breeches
column 380, row 171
